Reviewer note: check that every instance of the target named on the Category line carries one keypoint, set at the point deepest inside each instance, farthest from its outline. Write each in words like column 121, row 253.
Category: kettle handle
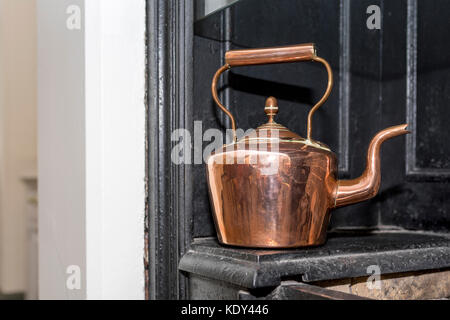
column 293, row 53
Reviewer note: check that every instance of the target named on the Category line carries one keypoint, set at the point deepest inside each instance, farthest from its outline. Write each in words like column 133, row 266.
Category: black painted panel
column 207, row 58
column 433, row 84
column 364, row 110
column 421, row 203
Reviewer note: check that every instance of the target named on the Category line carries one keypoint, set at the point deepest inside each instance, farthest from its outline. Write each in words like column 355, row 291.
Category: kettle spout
column 367, row 185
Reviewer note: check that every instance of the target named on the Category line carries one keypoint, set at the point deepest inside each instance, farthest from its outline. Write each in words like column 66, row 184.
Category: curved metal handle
column 301, row 52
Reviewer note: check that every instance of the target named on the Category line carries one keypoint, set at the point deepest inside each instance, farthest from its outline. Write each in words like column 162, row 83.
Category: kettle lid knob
column 271, row 108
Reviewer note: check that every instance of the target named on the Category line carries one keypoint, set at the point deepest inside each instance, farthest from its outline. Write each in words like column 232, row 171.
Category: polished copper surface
column 275, row 189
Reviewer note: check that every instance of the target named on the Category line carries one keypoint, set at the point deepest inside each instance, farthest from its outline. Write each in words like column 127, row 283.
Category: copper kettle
column 273, row 188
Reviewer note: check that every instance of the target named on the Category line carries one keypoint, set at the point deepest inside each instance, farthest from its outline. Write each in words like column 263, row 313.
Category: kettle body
column 279, row 200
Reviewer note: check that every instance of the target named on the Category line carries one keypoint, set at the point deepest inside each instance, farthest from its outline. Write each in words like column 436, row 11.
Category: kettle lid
column 274, row 130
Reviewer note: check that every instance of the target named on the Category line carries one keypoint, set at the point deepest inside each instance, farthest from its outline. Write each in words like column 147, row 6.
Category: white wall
column 17, row 134
column 91, row 114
